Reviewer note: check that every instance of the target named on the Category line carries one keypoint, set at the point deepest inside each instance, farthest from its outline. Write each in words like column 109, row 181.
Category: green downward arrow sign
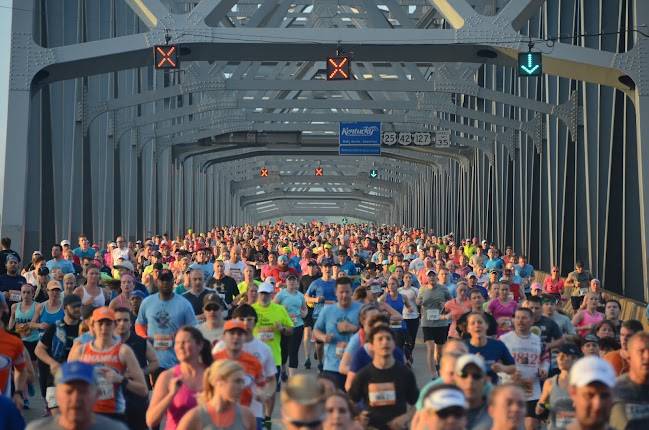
column 374, row 173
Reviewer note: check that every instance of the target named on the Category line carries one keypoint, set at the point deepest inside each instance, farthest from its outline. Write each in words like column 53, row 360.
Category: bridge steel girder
column 313, row 196
column 277, row 181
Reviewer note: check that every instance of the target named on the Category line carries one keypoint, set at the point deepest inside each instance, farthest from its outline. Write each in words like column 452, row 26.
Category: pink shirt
column 551, row 286
column 503, row 313
column 456, row 310
column 183, row 402
column 588, row 319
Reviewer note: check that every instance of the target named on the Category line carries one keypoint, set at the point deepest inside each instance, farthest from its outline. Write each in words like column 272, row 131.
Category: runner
column 212, row 328
column 432, row 298
column 295, row 304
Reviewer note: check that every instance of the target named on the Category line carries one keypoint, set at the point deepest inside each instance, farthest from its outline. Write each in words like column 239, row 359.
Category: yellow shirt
column 265, row 329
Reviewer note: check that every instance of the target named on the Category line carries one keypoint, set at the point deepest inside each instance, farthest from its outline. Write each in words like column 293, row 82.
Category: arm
column 577, row 319
column 349, row 380
column 133, row 375
column 190, row 420
column 44, row 356
column 545, row 396
column 163, row 392
column 37, row 316
column 12, row 318
column 151, row 358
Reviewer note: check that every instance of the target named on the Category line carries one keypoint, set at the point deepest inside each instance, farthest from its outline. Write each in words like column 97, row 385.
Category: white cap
column 65, row 242
column 125, row 264
column 265, row 287
column 444, row 397
column 467, row 359
column 592, row 369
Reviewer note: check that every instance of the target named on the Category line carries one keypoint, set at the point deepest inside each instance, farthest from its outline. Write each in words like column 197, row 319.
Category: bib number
column 432, row 314
column 14, row 296
column 163, row 342
column 340, row 349
column 50, row 398
column 266, row 336
column 105, row 389
column 382, row 394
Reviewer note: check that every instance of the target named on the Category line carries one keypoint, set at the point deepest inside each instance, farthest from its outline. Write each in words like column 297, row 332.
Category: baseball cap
column 591, row 338
column 325, row 262
column 312, row 262
column 138, row 293
column 266, row 287
column 472, row 275
column 570, row 349
column 211, row 298
column 444, row 396
column 234, row 325
column 536, row 286
column 291, row 276
column 282, row 259
column 467, row 359
column 156, row 254
column 43, row 271
column 429, row 272
column 103, row 313
column 125, row 264
column 65, row 242
column 71, row 299
column 74, row 371
column 303, row 389
column 37, row 253
column 592, row 369
column 11, row 257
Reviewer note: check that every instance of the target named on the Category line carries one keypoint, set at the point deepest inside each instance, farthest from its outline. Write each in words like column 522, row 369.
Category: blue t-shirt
column 495, row 264
column 327, row 323
column 207, row 268
column 526, row 271
column 65, row 266
column 293, row 304
column 362, row 358
column 88, row 253
column 398, row 305
column 349, row 268
column 322, row 288
column 494, row 351
column 354, row 344
column 163, row 318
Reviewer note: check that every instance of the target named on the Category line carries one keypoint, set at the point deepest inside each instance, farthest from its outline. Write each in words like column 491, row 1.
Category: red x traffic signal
column 263, row 172
column 319, row 171
column 166, row 56
column 339, row 68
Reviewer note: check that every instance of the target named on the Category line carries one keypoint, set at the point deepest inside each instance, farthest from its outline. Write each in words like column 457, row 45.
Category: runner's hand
column 174, row 385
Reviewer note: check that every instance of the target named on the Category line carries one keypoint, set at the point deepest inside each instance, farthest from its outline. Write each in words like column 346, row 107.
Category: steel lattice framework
column 99, row 142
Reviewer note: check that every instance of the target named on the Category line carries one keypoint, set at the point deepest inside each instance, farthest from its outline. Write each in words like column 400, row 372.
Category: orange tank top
column 110, row 398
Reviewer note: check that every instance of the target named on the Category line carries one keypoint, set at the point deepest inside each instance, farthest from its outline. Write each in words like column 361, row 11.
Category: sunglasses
column 452, row 411
column 212, row 308
column 58, row 290
column 473, row 375
column 307, row 424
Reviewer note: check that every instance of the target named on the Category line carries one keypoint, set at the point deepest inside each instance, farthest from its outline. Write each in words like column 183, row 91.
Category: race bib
column 432, row 314
column 563, row 419
column 636, row 411
column 14, row 296
column 266, row 336
column 50, row 398
column 105, row 389
column 163, row 341
column 395, row 324
column 340, row 349
column 383, row 394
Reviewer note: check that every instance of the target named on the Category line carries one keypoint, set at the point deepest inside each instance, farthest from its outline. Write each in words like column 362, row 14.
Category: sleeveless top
column 588, row 320
column 110, row 398
column 118, row 253
column 398, row 305
column 51, row 317
column 184, row 400
column 208, row 424
column 562, row 411
column 97, row 301
column 24, row 318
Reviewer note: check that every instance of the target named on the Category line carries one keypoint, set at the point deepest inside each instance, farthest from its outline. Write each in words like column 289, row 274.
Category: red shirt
column 251, row 366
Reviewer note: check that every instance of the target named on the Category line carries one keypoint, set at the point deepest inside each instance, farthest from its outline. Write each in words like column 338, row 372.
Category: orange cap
column 103, row 313
column 234, row 325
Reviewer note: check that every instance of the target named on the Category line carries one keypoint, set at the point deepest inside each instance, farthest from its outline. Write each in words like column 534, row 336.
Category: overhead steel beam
column 274, row 180
column 314, row 195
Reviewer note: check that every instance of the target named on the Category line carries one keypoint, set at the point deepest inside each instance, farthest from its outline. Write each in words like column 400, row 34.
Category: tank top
column 184, row 400
column 24, row 318
column 398, row 305
column 562, row 411
column 208, row 424
column 110, row 398
column 588, row 320
column 51, row 317
column 97, row 301
column 118, row 253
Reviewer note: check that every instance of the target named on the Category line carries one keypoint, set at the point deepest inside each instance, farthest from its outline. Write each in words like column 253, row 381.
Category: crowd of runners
column 212, row 330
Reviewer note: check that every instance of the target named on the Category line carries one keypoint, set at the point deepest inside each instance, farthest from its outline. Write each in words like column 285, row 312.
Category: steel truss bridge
column 97, row 141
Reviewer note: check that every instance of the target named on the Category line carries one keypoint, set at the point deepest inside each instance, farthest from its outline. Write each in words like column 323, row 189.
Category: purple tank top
column 183, row 402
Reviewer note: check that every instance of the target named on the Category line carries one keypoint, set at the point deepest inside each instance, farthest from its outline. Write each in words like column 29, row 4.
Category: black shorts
column 31, row 347
column 436, row 334
column 531, row 409
column 278, row 379
column 308, row 319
